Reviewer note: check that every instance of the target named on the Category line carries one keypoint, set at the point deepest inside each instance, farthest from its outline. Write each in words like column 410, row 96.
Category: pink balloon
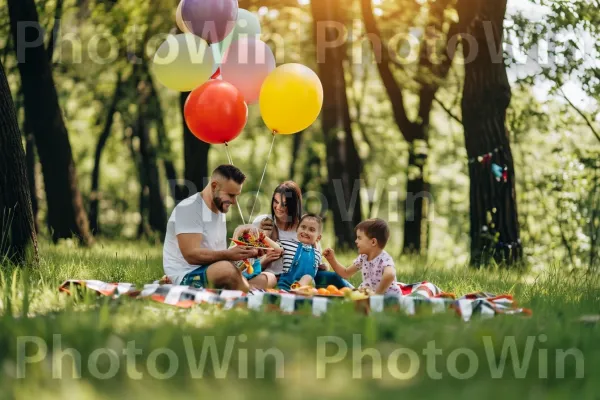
column 246, row 65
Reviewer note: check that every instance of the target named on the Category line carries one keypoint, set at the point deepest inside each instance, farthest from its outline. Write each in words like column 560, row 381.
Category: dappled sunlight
column 466, row 132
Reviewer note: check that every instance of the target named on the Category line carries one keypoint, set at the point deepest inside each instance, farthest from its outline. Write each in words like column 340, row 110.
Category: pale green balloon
column 183, row 62
column 247, row 25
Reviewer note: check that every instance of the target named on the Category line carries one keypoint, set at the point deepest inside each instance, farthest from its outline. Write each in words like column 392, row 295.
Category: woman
column 286, row 210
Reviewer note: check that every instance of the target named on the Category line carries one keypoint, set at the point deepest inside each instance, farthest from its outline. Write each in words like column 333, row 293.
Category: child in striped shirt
column 301, row 258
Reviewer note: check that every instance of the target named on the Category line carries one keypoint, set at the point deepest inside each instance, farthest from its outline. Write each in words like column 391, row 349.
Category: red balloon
column 217, row 74
column 216, row 112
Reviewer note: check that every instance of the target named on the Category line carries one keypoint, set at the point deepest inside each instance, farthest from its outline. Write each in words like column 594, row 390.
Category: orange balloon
column 216, row 112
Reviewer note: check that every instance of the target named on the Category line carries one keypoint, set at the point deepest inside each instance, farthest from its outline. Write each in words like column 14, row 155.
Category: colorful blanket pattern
column 417, row 298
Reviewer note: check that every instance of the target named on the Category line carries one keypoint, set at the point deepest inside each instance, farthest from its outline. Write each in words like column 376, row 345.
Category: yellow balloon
column 183, row 62
column 291, row 98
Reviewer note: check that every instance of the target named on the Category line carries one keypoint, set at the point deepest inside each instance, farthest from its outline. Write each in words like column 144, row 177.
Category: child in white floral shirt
column 377, row 266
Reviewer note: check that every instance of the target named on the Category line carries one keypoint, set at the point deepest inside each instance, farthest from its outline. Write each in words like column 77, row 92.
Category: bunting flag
column 417, row 298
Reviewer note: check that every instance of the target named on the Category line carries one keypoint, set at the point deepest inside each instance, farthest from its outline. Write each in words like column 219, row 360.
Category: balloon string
column 230, row 160
column 263, row 176
column 228, row 155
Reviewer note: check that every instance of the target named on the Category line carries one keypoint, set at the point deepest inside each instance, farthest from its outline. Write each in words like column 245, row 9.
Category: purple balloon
column 212, row 20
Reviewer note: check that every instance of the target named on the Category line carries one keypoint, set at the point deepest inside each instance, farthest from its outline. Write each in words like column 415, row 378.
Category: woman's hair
column 291, row 195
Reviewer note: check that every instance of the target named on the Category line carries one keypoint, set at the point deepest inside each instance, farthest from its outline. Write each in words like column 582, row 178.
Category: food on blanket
column 305, row 291
column 358, row 295
column 330, row 291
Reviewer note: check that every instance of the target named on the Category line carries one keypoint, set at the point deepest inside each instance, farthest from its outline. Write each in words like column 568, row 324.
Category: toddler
column 255, row 263
column 378, row 270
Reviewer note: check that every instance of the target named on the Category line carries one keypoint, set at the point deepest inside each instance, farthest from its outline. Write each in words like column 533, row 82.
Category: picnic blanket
column 416, row 298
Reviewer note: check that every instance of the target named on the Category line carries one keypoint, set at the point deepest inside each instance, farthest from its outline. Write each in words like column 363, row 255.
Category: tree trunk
column 295, row 149
column 416, row 205
column 30, row 164
column 95, row 193
column 344, row 165
column 416, row 224
column 486, row 96
column 66, row 214
column 55, row 29
column 196, row 157
column 135, row 156
column 157, row 215
column 17, row 231
column 155, row 112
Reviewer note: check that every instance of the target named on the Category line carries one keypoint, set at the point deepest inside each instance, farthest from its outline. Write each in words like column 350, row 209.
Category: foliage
column 540, row 124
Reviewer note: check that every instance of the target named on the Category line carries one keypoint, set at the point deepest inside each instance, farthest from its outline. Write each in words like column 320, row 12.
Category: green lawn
column 149, row 350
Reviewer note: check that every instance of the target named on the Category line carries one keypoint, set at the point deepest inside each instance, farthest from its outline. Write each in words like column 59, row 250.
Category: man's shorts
column 197, row 278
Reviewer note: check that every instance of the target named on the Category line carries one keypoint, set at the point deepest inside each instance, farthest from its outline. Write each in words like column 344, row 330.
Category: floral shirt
column 372, row 272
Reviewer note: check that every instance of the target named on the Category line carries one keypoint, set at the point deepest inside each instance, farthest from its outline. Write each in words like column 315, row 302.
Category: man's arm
column 196, row 255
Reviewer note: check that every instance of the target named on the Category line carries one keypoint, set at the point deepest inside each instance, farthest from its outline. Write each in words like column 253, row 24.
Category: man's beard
column 219, row 204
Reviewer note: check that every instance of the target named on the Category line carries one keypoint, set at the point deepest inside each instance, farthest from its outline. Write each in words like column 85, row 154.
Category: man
column 195, row 252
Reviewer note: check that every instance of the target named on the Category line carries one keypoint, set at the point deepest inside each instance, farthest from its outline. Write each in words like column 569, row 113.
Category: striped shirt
column 289, row 252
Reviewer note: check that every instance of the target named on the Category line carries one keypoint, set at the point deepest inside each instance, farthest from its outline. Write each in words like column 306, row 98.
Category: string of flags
column 486, row 157
column 510, row 245
column 420, row 298
column 489, row 231
column 500, row 172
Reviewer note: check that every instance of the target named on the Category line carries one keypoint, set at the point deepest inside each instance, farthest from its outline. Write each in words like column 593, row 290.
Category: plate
column 302, row 293
column 239, row 243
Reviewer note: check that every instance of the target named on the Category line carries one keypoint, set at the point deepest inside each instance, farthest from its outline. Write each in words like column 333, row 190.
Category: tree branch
column 55, row 29
column 587, row 121
column 448, row 111
column 382, row 57
column 430, row 76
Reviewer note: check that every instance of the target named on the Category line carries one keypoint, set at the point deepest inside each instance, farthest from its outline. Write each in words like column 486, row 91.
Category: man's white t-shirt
column 192, row 215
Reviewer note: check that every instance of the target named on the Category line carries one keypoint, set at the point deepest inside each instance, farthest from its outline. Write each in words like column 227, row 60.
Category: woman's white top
column 276, row 266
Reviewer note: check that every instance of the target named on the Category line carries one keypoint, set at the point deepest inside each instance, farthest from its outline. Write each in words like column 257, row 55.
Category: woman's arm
column 273, row 243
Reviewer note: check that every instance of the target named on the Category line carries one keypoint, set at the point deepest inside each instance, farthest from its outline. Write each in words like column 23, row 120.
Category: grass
column 104, row 331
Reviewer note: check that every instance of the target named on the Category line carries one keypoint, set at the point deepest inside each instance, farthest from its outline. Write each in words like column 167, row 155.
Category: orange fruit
column 345, row 290
column 323, row 291
column 331, row 288
column 337, row 293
